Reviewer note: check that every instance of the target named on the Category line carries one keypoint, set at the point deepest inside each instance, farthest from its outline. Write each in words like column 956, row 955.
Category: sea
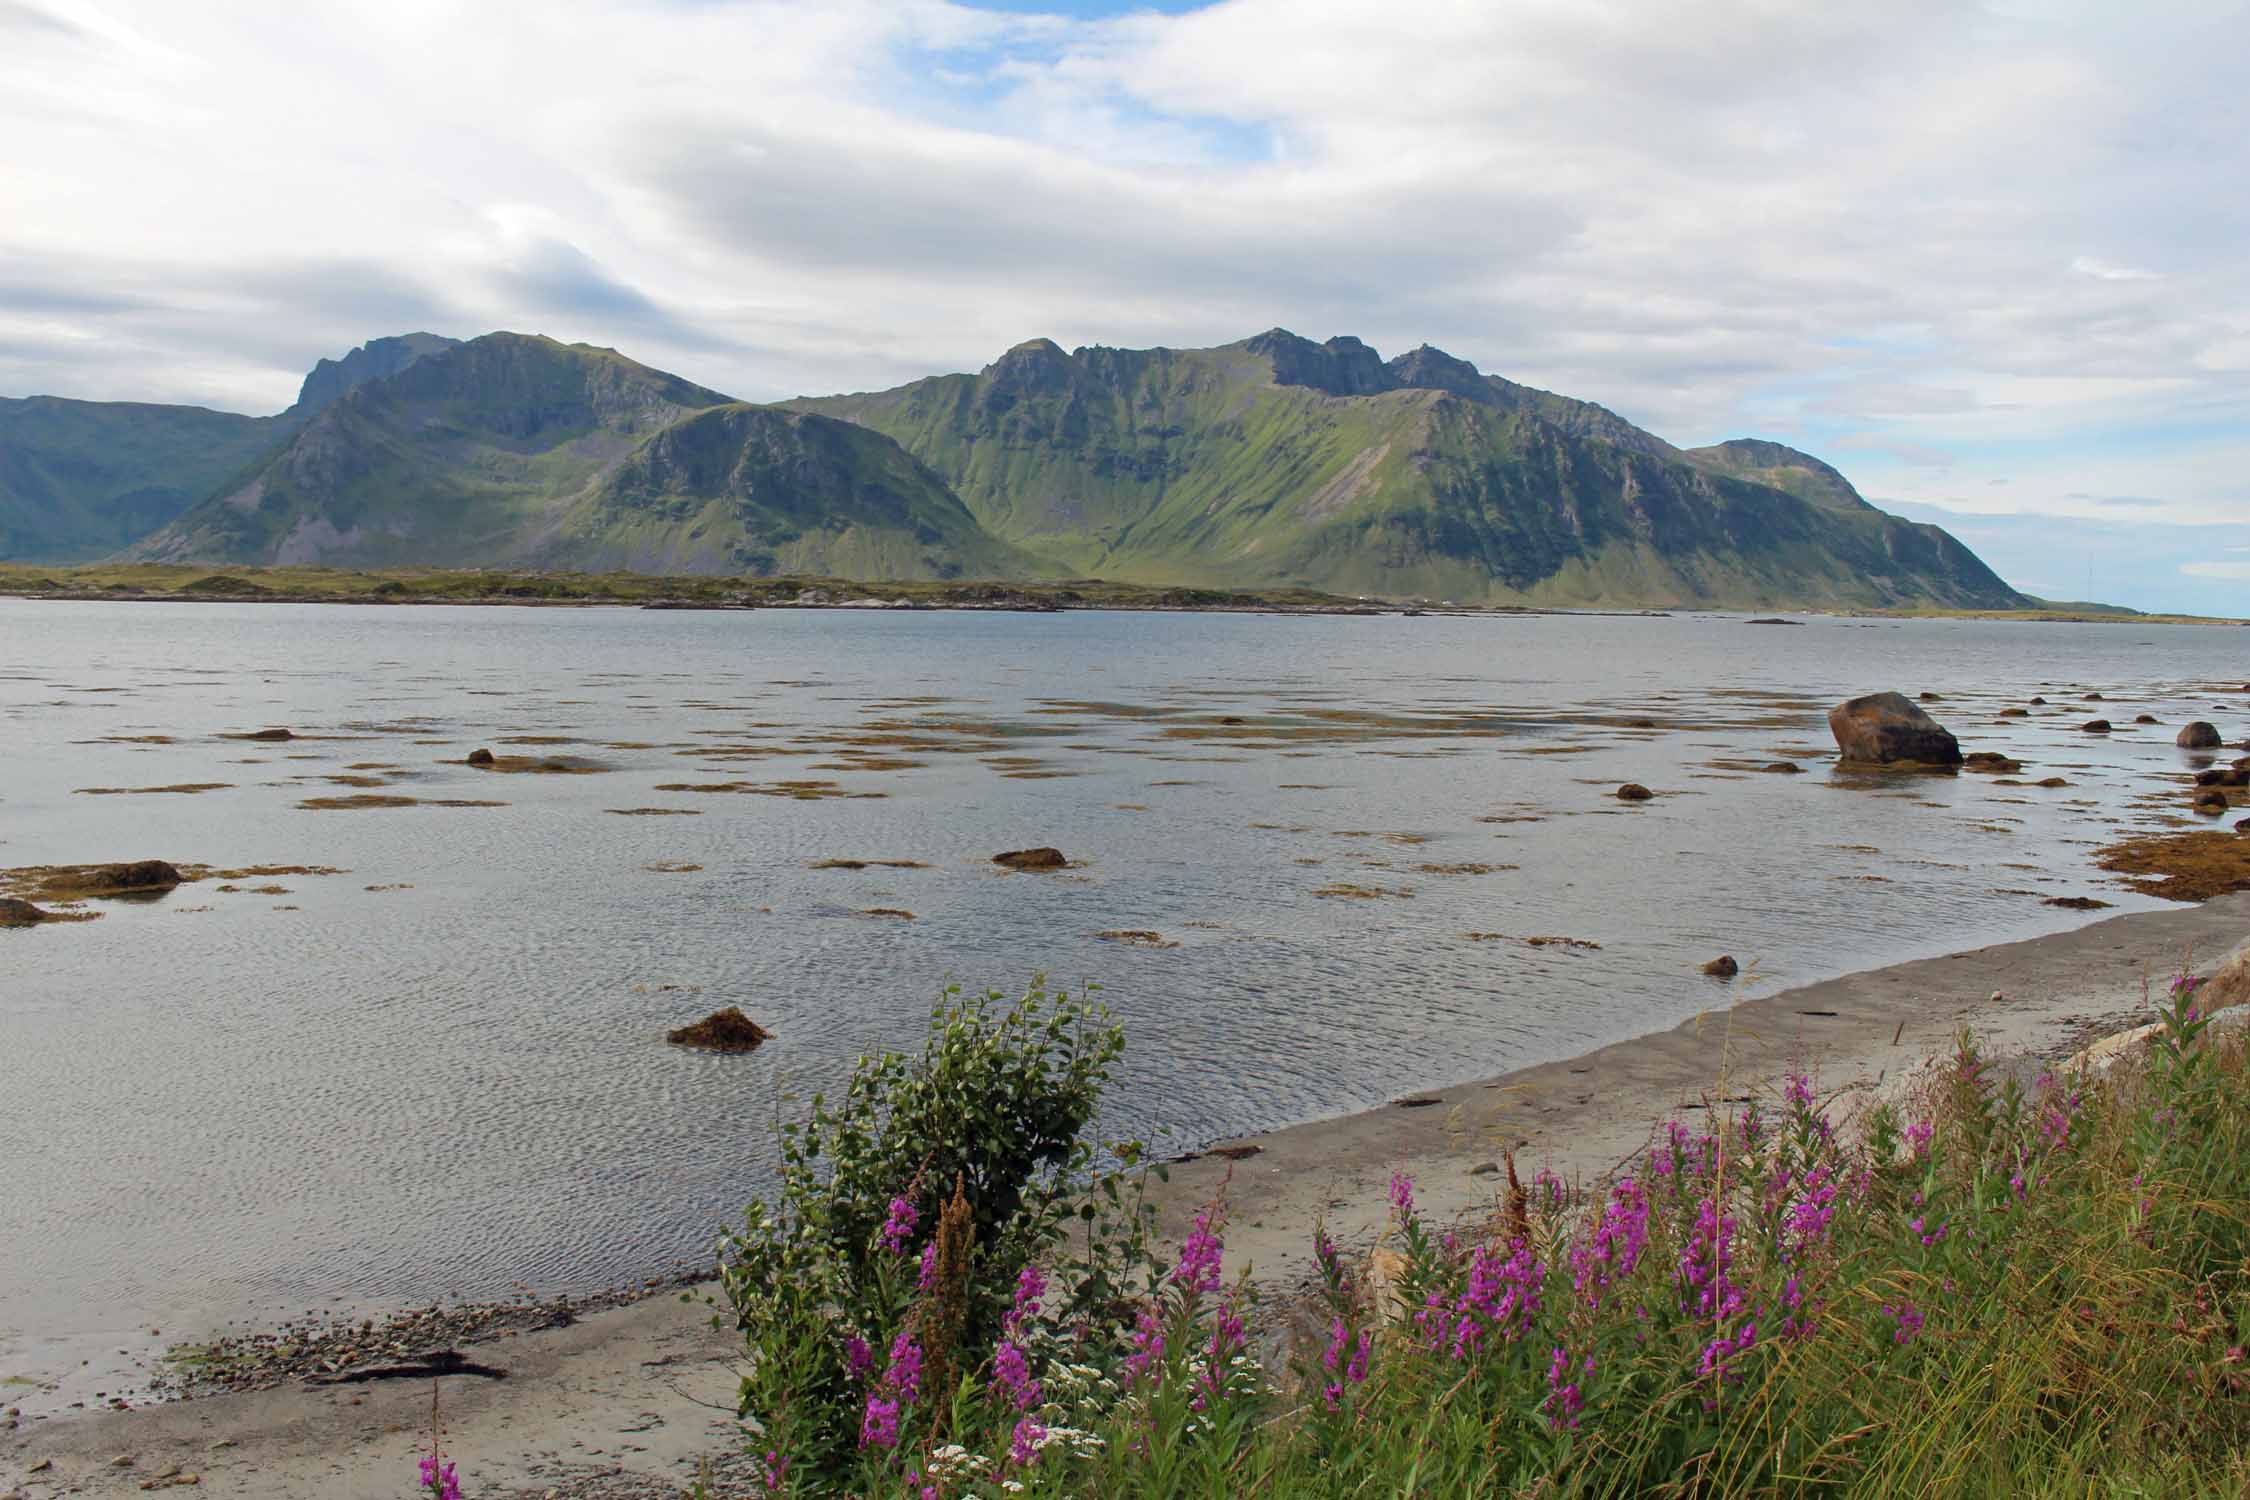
column 436, row 1065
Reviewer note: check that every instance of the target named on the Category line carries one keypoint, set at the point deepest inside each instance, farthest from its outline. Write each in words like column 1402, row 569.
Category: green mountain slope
column 1280, row 461
column 80, row 479
column 514, row 450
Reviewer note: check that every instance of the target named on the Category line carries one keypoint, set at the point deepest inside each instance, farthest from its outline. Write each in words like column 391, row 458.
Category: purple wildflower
column 1200, row 1255
column 859, row 1360
column 1023, row 1443
column 1148, row 1345
column 1564, row 1399
column 1346, row 1360
column 1909, row 1321
column 1031, row 1285
column 776, row 1468
column 927, row 1276
column 905, row 1375
column 438, row 1478
column 899, row 1227
column 1615, row 1246
column 878, row 1425
column 1013, row 1374
column 1402, row 1195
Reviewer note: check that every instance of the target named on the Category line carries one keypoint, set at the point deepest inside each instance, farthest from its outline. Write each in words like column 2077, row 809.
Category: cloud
column 1949, row 241
column 2227, row 570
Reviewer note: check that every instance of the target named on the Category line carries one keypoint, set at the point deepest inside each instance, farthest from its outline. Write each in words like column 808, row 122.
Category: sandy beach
column 626, row 1402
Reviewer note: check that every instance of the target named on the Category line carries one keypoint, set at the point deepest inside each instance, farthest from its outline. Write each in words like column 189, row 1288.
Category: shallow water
column 443, row 1071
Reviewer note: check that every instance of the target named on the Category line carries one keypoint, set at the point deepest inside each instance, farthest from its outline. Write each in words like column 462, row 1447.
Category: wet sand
column 625, row 1402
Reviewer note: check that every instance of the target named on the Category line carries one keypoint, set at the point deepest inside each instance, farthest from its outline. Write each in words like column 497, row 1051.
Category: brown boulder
column 480, row 757
column 1929, row 697
column 2146, row 719
column 138, row 875
column 2211, row 802
column 2037, row 699
column 1883, row 728
column 2200, row 735
column 269, row 734
column 1722, row 967
column 15, row 913
column 1633, row 791
column 1784, row 768
column 2095, row 726
column 726, row 1030
column 2015, row 713
column 1991, row 760
column 1031, row 859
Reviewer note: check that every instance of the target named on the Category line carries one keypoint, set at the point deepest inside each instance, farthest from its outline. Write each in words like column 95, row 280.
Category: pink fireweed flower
column 905, row 1374
column 1226, row 1338
column 1402, row 1195
column 1502, row 1296
column 898, row 1228
column 1023, row 1443
column 1908, row 1319
column 1011, row 1374
column 1147, row 1343
column 927, row 1276
column 1719, row 1354
column 1918, row 1136
column 1799, row 1091
column 859, row 1360
column 438, row 1479
column 878, row 1425
column 1030, row 1287
column 1346, row 1360
column 1200, row 1256
column 1705, row 1260
column 776, row 1467
column 1614, row 1249
column 1564, row 1398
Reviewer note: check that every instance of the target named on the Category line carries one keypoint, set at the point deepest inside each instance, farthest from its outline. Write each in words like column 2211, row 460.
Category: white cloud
column 2228, row 570
column 1917, row 235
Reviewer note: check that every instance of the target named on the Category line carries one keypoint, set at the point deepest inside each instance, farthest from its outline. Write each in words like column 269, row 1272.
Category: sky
column 1988, row 259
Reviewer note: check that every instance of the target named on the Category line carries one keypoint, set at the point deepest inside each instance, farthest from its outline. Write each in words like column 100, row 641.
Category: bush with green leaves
column 892, row 1256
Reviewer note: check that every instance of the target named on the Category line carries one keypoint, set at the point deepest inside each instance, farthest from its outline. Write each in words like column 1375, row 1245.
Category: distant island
column 1273, row 463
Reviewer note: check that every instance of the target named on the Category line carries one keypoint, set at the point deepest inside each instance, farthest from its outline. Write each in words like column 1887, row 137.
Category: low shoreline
column 625, row 1401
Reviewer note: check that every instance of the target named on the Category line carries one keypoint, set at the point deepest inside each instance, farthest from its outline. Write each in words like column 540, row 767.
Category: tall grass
column 2001, row 1292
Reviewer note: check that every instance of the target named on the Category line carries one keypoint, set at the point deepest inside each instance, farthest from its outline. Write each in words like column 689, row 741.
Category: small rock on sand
column 1722, row 967
column 1031, row 859
column 727, row 1030
column 2200, row 735
column 1633, row 791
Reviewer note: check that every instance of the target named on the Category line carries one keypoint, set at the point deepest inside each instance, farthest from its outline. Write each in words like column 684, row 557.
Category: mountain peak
column 1783, row 467
column 1428, row 368
column 1341, row 367
column 330, row 380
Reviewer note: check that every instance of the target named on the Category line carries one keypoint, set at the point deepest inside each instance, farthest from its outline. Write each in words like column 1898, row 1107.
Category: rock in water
column 726, row 1030
column 1722, row 967
column 2198, row 736
column 2095, row 726
column 14, row 913
column 1031, row 859
column 480, row 757
column 1633, row 791
column 1887, row 728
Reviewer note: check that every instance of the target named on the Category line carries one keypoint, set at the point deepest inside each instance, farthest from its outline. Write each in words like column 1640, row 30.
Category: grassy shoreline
column 221, row 584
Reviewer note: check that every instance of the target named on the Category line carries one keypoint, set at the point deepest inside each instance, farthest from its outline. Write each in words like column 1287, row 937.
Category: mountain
column 331, row 380
column 516, row 450
column 80, row 479
column 1276, row 460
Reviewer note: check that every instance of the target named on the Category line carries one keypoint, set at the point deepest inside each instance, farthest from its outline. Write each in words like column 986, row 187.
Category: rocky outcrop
column 1883, row 729
column 15, row 913
column 2096, row 726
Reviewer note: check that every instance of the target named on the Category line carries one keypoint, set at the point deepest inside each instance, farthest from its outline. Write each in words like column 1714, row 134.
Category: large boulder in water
column 2199, row 736
column 1031, row 859
column 1882, row 729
